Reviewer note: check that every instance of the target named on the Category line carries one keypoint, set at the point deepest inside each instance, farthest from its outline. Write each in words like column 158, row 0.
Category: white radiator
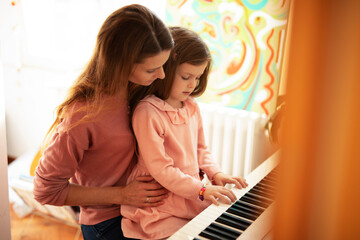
column 236, row 138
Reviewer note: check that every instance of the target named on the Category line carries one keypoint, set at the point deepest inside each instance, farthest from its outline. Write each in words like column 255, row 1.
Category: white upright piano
column 248, row 218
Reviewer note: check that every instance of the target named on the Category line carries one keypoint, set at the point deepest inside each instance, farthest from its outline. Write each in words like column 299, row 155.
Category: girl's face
column 149, row 69
column 187, row 77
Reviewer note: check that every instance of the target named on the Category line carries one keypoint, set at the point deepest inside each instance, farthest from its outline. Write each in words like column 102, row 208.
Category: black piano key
column 266, row 188
column 242, row 213
column 271, row 178
column 255, row 209
column 216, row 231
column 233, row 221
column 259, row 198
column 273, row 173
column 248, row 199
column 263, row 189
column 210, row 235
column 261, row 193
column 269, row 182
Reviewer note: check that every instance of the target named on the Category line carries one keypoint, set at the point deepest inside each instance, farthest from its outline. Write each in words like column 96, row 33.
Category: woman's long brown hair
column 127, row 36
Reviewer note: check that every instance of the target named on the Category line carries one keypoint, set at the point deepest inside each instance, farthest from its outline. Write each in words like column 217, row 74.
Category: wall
column 247, row 43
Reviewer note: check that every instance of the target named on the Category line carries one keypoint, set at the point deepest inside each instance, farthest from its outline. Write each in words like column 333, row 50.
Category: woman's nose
column 160, row 73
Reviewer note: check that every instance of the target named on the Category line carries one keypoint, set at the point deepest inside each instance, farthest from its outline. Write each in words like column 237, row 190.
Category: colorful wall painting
column 246, row 39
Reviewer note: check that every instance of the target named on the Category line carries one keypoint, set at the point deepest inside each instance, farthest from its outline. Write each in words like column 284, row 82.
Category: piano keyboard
column 248, row 218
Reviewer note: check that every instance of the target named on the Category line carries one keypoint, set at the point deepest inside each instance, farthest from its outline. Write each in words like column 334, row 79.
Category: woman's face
column 149, row 69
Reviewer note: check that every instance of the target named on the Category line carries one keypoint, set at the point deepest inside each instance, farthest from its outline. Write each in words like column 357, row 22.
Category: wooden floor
column 37, row 227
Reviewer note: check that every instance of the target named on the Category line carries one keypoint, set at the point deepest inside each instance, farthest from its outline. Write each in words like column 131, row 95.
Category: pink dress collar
column 176, row 115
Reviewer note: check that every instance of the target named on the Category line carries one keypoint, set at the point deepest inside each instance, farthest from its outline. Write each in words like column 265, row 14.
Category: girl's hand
column 221, row 179
column 144, row 191
column 215, row 193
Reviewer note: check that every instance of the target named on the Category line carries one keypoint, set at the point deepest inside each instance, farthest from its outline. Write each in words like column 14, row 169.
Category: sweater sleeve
column 149, row 131
column 57, row 165
column 206, row 162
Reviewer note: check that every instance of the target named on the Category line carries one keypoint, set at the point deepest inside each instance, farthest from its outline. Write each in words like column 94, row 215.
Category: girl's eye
column 185, row 78
column 150, row 71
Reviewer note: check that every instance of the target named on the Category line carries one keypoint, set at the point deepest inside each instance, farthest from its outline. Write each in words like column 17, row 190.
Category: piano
column 248, row 218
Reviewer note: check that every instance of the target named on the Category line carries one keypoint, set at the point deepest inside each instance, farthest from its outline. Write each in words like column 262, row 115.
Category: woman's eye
column 185, row 78
column 150, row 71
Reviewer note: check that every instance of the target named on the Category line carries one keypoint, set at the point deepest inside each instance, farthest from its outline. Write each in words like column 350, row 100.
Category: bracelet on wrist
column 201, row 194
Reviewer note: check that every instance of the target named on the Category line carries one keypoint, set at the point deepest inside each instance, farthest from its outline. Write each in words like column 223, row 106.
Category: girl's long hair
column 127, row 36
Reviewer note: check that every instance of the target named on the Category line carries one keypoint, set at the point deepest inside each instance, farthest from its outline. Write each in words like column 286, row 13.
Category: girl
column 171, row 145
column 90, row 142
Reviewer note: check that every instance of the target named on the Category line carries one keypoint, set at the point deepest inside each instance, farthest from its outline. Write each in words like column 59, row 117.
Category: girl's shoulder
column 192, row 105
column 153, row 102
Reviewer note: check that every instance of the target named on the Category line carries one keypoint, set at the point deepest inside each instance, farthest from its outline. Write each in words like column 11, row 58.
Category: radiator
column 236, row 138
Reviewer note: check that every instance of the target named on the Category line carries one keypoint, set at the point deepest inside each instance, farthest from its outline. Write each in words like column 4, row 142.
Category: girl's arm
column 205, row 160
column 208, row 165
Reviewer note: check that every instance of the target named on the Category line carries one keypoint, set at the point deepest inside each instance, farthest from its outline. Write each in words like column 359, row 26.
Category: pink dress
column 172, row 149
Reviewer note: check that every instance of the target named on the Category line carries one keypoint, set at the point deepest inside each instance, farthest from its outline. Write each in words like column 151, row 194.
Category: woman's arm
column 59, row 164
column 135, row 194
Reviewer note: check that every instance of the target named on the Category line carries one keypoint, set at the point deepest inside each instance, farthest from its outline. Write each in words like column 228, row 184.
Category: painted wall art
column 246, row 39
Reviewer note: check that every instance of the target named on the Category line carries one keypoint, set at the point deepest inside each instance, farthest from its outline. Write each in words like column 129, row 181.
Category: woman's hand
column 144, row 191
column 215, row 193
column 221, row 179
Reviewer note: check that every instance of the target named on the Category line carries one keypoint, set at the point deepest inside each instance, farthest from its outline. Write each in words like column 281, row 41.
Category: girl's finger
column 236, row 182
column 243, row 182
column 223, row 198
column 213, row 200
column 229, row 194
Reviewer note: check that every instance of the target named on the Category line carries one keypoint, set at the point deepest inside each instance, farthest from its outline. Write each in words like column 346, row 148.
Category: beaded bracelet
column 201, row 194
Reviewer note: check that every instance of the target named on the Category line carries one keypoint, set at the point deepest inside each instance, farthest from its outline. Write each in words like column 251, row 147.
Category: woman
column 90, row 147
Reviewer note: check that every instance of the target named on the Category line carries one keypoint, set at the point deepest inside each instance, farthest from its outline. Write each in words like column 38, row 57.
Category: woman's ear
column 173, row 55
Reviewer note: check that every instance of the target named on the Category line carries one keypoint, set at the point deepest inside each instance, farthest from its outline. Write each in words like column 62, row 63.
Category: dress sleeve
column 149, row 131
column 205, row 159
column 58, row 164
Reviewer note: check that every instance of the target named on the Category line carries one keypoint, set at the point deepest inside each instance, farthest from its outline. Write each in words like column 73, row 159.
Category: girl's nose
column 192, row 82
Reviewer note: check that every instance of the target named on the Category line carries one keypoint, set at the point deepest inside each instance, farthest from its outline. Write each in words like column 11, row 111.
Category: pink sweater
column 172, row 149
column 98, row 153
